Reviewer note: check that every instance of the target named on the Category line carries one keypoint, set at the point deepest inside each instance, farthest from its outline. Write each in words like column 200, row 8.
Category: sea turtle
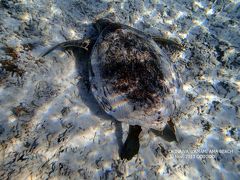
column 131, row 77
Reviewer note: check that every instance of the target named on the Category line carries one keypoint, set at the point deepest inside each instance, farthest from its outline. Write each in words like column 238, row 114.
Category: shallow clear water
column 50, row 125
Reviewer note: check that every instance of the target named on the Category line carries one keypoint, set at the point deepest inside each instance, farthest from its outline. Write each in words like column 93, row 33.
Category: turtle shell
column 132, row 78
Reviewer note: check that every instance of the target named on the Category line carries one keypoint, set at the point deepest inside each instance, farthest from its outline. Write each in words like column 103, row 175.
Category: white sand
column 49, row 131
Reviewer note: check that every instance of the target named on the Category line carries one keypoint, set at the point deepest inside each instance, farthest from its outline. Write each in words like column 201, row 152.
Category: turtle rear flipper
column 131, row 145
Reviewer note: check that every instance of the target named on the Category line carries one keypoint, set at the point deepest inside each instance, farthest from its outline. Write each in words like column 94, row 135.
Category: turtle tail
column 131, row 145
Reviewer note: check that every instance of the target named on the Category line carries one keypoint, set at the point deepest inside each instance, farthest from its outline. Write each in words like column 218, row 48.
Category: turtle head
column 100, row 24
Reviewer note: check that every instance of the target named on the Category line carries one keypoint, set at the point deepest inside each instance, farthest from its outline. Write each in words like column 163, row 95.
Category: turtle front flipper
column 81, row 43
column 131, row 145
column 168, row 43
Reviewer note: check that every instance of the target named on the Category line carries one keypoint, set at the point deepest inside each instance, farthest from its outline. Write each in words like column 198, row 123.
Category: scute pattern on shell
column 132, row 78
column 129, row 66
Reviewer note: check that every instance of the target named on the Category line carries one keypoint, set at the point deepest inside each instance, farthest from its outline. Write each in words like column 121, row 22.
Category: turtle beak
column 100, row 24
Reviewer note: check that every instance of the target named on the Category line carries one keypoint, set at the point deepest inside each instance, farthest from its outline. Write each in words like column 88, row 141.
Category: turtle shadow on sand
column 82, row 66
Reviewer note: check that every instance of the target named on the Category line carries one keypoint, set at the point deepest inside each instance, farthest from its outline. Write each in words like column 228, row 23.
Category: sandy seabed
column 50, row 126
